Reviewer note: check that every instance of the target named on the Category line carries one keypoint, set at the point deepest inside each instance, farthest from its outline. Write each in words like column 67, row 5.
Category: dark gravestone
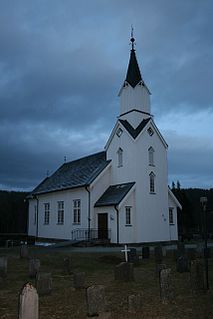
column 167, row 293
column 191, row 253
column 68, row 265
column 28, row 303
column 3, row 267
column 24, row 253
column 182, row 264
column 44, row 283
column 34, row 266
column 145, row 252
column 158, row 254
column 133, row 256
column 124, row 272
column 135, row 303
column 197, row 276
column 180, row 249
column 158, row 268
column 95, row 300
column 79, row 280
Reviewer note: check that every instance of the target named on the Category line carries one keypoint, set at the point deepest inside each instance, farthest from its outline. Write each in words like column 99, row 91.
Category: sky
column 62, row 64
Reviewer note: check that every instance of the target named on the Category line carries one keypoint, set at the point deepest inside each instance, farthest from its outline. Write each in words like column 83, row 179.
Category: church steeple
column 134, row 94
column 133, row 76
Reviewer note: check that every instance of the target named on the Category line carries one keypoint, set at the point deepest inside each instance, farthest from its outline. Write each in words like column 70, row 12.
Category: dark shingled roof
column 73, row 174
column 134, row 132
column 133, row 76
column 114, row 194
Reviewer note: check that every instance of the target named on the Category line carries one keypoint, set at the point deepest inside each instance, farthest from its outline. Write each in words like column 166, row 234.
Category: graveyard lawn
column 66, row 302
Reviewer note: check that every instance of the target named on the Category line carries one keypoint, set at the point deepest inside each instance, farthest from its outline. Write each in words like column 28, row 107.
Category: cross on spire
column 132, row 39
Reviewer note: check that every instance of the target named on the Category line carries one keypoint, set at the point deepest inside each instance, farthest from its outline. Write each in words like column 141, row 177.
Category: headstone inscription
column 34, row 266
column 124, row 272
column 3, row 266
column 28, row 303
column 79, row 279
column 44, row 283
column 95, row 300
column 166, row 286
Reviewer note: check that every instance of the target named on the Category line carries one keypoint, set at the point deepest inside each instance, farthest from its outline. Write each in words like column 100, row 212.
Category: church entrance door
column 103, row 226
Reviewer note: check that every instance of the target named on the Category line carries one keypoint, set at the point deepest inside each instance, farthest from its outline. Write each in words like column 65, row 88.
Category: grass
column 66, row 302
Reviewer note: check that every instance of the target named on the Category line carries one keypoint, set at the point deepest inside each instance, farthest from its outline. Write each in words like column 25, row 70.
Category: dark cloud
column 62, row 64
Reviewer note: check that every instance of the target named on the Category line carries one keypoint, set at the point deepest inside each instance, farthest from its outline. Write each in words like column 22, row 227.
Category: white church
column 120, row 194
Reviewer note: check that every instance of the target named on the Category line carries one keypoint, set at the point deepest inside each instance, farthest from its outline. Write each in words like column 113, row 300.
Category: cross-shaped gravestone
column 125, row 251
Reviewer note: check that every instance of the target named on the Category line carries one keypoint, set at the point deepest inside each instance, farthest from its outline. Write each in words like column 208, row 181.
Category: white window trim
column 171, row 216
column 60, row 213
column 46, row 213
column 76, row 212
column 151, row 153
column 120, row 157
column 152, row 185
column 128, row 215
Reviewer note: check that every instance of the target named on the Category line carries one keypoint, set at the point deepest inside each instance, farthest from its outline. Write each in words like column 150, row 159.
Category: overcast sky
column 62, row 64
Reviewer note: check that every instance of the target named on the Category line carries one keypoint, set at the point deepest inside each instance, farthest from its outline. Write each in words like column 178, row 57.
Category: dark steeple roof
column 73, row 174
column 133, row 76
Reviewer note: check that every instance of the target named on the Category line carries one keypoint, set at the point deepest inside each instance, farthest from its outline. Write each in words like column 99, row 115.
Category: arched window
column 151, row 152
column 120, row 157
column 152, row 182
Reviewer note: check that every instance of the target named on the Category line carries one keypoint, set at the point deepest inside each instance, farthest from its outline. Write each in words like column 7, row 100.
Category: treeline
column 13, row 212
column 191, row 218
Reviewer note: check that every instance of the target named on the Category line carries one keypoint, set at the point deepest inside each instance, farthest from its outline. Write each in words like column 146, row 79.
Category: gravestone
column 79, row 280
column 24, row 253
column 3, row 267
column 133, row 256
column 34, row 266
column 182, row 264
column 166, row 286
column 197, row 276
column 158, row 254
column 124, row 272
column 28, row 303
column 145, row 252
column 95, row 300
column 44, row 283
column 180, row 250
column 164, row 251
column 158, row 268
column 68, row 265
column 135, row 303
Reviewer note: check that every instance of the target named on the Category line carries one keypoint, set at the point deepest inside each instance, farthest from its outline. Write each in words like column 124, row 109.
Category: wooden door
column 103, row 226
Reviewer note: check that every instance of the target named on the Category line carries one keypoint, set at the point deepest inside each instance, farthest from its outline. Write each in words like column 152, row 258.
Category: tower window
column 120, row 157
column 171, row 216
column 151, row 152
column 119, row 132
column 150, row 131
column 152, row 183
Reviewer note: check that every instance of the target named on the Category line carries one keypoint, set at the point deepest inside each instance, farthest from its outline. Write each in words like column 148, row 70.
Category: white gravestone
column 28, row 303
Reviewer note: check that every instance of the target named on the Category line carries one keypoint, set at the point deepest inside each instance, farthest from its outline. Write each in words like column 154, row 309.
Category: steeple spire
column 133, row 76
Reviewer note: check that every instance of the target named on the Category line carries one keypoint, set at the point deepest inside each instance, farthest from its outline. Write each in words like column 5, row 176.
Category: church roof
column 73, row 174
column 133, row 76
column 114, row 194
column 134, row 132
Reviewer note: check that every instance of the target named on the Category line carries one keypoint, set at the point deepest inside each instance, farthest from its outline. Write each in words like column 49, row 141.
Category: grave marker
column 197, row 276
column 95, row 300
column 145, row 252
column 182, row 264
column 79, row 280
column 68, row 265
column 24, row 251
column 158, row 254
column 166, row 286
column 44, row 283
column 34, row 266
column 3, row 267
column 124, row 272
column 125, row 251
column 133, row 256
column 28, row 303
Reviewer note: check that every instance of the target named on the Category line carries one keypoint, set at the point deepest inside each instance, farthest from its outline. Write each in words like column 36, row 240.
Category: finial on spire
column 132, row 39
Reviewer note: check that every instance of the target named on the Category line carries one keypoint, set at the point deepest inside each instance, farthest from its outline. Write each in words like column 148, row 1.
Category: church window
column 119, row 132
column 171, row 216
column 152, row 183
column 120, row 157
column 60, row 213
column 150, row 131
column 128, row 215
column 46, row 213
column 151, row 152
column 76, row 211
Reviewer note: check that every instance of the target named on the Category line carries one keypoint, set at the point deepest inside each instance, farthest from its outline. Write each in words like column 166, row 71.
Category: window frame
column 171, row 216
column 76, row 211
column 120, row 157
column 152, row 185
column 151, row 153
column 46, row 213
column 128, row 215
column 60, row 212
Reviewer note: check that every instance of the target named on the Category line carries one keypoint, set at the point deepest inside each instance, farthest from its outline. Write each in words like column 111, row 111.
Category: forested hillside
column 13, row 212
